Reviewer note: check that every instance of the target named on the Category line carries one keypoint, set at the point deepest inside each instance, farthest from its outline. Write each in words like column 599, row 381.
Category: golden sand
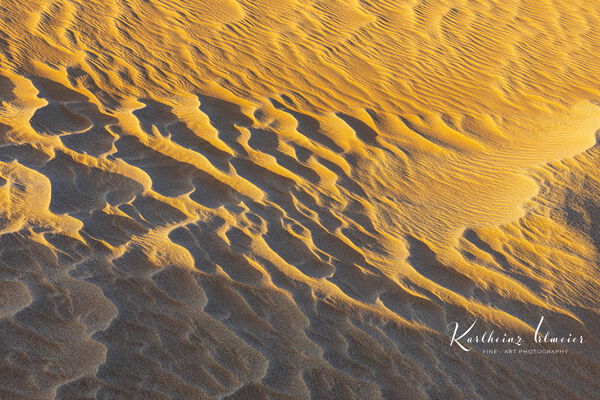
column 283, row 199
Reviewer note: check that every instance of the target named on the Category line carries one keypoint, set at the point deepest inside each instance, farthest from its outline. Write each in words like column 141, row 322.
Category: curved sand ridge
column 293, row 199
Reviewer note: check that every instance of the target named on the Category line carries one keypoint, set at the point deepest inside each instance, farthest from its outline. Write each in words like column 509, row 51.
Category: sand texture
column 285, row 199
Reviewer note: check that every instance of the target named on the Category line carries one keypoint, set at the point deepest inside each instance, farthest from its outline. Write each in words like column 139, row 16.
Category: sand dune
column 269, row 199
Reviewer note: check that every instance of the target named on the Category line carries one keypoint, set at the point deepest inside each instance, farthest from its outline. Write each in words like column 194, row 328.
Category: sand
column 282, row 199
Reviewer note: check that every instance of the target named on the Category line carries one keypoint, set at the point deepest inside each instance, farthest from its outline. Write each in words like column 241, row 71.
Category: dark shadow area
column 309, row 127
column 363, row 131
column 425, row 261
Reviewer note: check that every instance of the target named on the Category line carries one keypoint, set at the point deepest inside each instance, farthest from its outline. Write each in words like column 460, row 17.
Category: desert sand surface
column 285, row 199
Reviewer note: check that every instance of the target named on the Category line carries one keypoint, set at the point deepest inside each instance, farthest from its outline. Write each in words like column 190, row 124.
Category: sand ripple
column 289, row 200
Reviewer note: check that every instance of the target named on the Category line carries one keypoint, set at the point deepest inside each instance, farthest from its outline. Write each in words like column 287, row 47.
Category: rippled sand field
column 285, row 199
